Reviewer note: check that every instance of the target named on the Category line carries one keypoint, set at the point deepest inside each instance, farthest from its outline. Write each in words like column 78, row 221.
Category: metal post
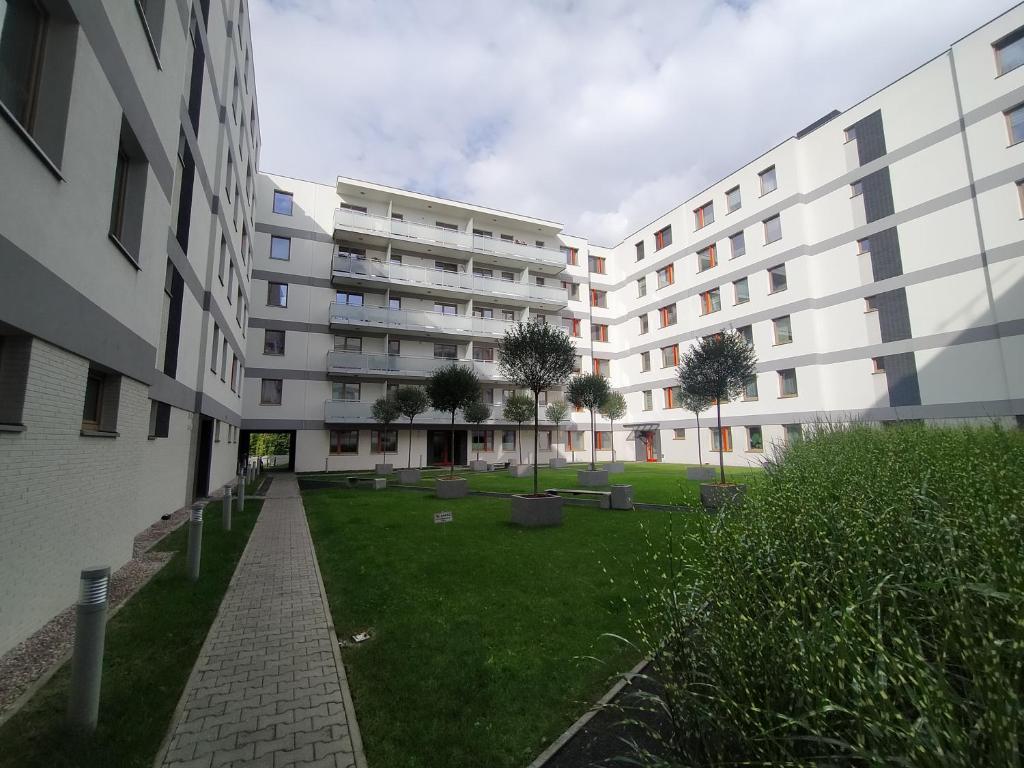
column 195, row 541
column 241, row 491
column 87, row 658
column 225, row 515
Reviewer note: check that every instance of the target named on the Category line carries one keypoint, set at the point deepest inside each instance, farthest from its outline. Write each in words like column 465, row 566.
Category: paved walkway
column 268, row 688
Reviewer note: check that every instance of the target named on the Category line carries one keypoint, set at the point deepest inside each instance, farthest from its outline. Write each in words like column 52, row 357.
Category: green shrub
column 865, row 607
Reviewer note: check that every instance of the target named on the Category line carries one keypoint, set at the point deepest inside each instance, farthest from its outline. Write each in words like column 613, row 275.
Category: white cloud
column 601, row 115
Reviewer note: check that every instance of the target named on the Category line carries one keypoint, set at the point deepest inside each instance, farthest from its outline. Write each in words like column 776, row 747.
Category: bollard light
column 195, row 541
column 87, row 657
column 241, row 491
column 226, row 513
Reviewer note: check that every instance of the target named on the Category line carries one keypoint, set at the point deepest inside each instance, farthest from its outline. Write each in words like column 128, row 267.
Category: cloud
column 601, row 114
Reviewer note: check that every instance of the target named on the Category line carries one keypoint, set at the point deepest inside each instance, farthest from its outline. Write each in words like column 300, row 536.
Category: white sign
column 442, row 517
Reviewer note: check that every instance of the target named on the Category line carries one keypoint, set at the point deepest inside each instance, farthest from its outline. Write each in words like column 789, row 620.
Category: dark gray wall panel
column 901, row 378
column 886, row 260
column 870, row 137
column 893, row 315
column 877, row 195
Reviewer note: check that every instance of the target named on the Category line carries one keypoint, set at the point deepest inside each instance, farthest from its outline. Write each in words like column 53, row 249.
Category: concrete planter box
column 557, row 463
column 407, row 476
column 520, row 470
column 454, row 488
column 478, row 466
column 715, row 497
column 586, row 477
column 702, row 474
column 615, row 467
column 537, row 511
column 622, row 497
column 384, row 469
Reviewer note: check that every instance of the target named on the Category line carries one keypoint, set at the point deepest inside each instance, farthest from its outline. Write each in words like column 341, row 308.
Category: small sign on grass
column 442, row 517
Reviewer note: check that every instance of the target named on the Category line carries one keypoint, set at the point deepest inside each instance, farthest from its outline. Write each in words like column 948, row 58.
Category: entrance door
column 203, row 457
column 649, row 445
column 439, row 447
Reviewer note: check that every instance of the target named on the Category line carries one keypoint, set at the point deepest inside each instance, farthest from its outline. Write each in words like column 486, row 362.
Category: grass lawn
column 151, row 646
column 479, row 628
column 652, row 483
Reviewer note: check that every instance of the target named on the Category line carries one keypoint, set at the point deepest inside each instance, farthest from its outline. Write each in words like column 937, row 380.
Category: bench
column 604, row 498
column 377, row 483
column 495, row 466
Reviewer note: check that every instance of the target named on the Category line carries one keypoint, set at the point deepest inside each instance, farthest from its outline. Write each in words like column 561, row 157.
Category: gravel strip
column 31, row 662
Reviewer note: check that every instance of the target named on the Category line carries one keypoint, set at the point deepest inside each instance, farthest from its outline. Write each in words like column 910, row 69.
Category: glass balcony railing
column 397, row 274
column 359, row 411
column 341, row 362
column 414, row 319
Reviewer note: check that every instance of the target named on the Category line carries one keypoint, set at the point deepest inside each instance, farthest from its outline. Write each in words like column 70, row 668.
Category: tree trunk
column 451, row 448
column 519, row 440
column 611, row 427
column 721, row 441
column 700, row 459
column 410, row 443
column 536, row 429
column 593, row 442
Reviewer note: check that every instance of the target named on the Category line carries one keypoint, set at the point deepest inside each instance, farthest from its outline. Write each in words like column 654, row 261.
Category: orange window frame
column 664, row 313
column 572, row 256
column 725, row 439
column 669, row 397
column 705, row 301
column 576, row 328
column 602, row 332
column 712, row 255
column 594, row 293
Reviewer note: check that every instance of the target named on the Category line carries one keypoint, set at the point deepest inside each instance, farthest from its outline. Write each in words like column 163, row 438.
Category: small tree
column 588, row 390
column 449, row 389
column 557, row 412
column 477, row 413
column 385, row 411
column 696, row 404
column 537, row 357
column 614, row 407
column 518, row 408
column 717, row 368
column 412, row 401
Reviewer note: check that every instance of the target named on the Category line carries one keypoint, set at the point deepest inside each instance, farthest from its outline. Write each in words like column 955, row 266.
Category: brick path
column 268, row 688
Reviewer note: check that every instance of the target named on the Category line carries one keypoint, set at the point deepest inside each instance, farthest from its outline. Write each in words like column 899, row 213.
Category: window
column 346, row 297
column 704, row 215
column 794, row 433
column 572, row 290
column 544, row 439
column 446, row 225
column 277, row 294
column 597, row 264
column 160, row 419
column 270, row 391
column 128, row 201
column 666, row 276
column 768, row 181
column 670, row 356
column 755, row 440
column 348, row 343
column 667, row 315
column 648, row 400
column 224, row 360
column 231, row 282
column 572, row 325
column 394, row 302
column 484, row 313
column 670, row 397
column 783, row 330
column 870, row 303
column 273, row 342
column 1015, row 123
column 864, row 245
column 282, row 202
column 599, row 332
column 721, row 440
column 603, row 441
column 787, row 383
column 572, row 255
column 598, row 298
column 602, row 367
column 102, row 394
column 707, row 258
column 741, row 291
column 679, row 433
column 772, row 229
column 444, row 308
column 508, row 440
column 394, row 346
column 24, row 31
column 575, row 441
column 223, row 258
column 1009, row 52
column 645, row 361
column 733, row 201
column 348, row 391
column 508, row 315
column 344, row 441
column 641, row 287
column 777, row 278
column 878, row 365
column 643, row 323
column 856, row 189
column 483, row 354
column 750, row 388
column 446, row 351
column 663, row 237
column 357, row 208
column 710, row 301
column 280, row 248
column 738, row 244
column 639, row 250
column 483, row 440
column 383, row 440
column 747, row 332
column 850, row 134
column 234, row 374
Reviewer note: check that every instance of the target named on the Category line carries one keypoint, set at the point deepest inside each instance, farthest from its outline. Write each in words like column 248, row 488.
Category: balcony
column 379, row 229
column 405, row 320
column 397, row 366
column 436, row 282
column 358, row 412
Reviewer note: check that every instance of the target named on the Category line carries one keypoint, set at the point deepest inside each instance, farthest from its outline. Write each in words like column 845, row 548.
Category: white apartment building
column 873, row 260
column 129, row 143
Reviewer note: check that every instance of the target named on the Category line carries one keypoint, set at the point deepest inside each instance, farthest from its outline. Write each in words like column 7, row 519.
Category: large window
column 787, row 383
column 22, row 31
column 280, row 248
column 599, row 332
column 598, row 298
column 345, row 390
column 704, row 215
column 663, row 238
column 733, row 201
column 383, row 441
column 644, row 327
column 508, row 439
column 273, row 342
column 773, row 229
column 666, row 276
column 344, row 441
column 670, row 356
column 750, row 388
column 1009, row 51
column 128, row 201
column 741, row 291
column 641, row 287
column 640, row 251
column 645, row 361
column 282, row 202
column 747, row 332
column 277, row 294
column 783, row 330
column 768, row 181
column 347, row 297
column 270, row 391
column 738, row 244
column 721, row 440
column 483, row 439
column 710, row 301
column 777, row 279
column 755, row 440
column 648, row 400
column 602, row 367
column 1015, row 123
column 671, row 400
column 597, row 264
column 446, row 351
column 667, row 315
column 571, row 254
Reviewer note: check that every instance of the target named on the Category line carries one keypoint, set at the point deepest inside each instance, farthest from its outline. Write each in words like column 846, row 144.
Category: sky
column 598, row 114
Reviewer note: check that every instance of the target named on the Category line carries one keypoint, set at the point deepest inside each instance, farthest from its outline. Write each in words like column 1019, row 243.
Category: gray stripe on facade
column 208, row 406
column 171, row 391
column 272, row 425
column 184, row 267
column 92, row 17
column 197, row 156
column 211, row 306
column 35, row 300
column 287, row 277
column 289, row 325
column 291, row 374
column 298, row 234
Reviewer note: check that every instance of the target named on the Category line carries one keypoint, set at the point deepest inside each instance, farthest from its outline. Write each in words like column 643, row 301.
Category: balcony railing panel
column 359, row 411
column 415, row 319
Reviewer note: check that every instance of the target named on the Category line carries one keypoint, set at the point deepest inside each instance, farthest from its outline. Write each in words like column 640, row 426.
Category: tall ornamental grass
column 864, row 607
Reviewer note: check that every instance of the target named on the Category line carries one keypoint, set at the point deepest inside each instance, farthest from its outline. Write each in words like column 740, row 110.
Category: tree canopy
column 536, row 356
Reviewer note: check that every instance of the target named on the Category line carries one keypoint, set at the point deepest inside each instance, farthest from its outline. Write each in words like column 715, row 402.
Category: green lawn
column 479, row 628
column 652, row 483
column 151, row 646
